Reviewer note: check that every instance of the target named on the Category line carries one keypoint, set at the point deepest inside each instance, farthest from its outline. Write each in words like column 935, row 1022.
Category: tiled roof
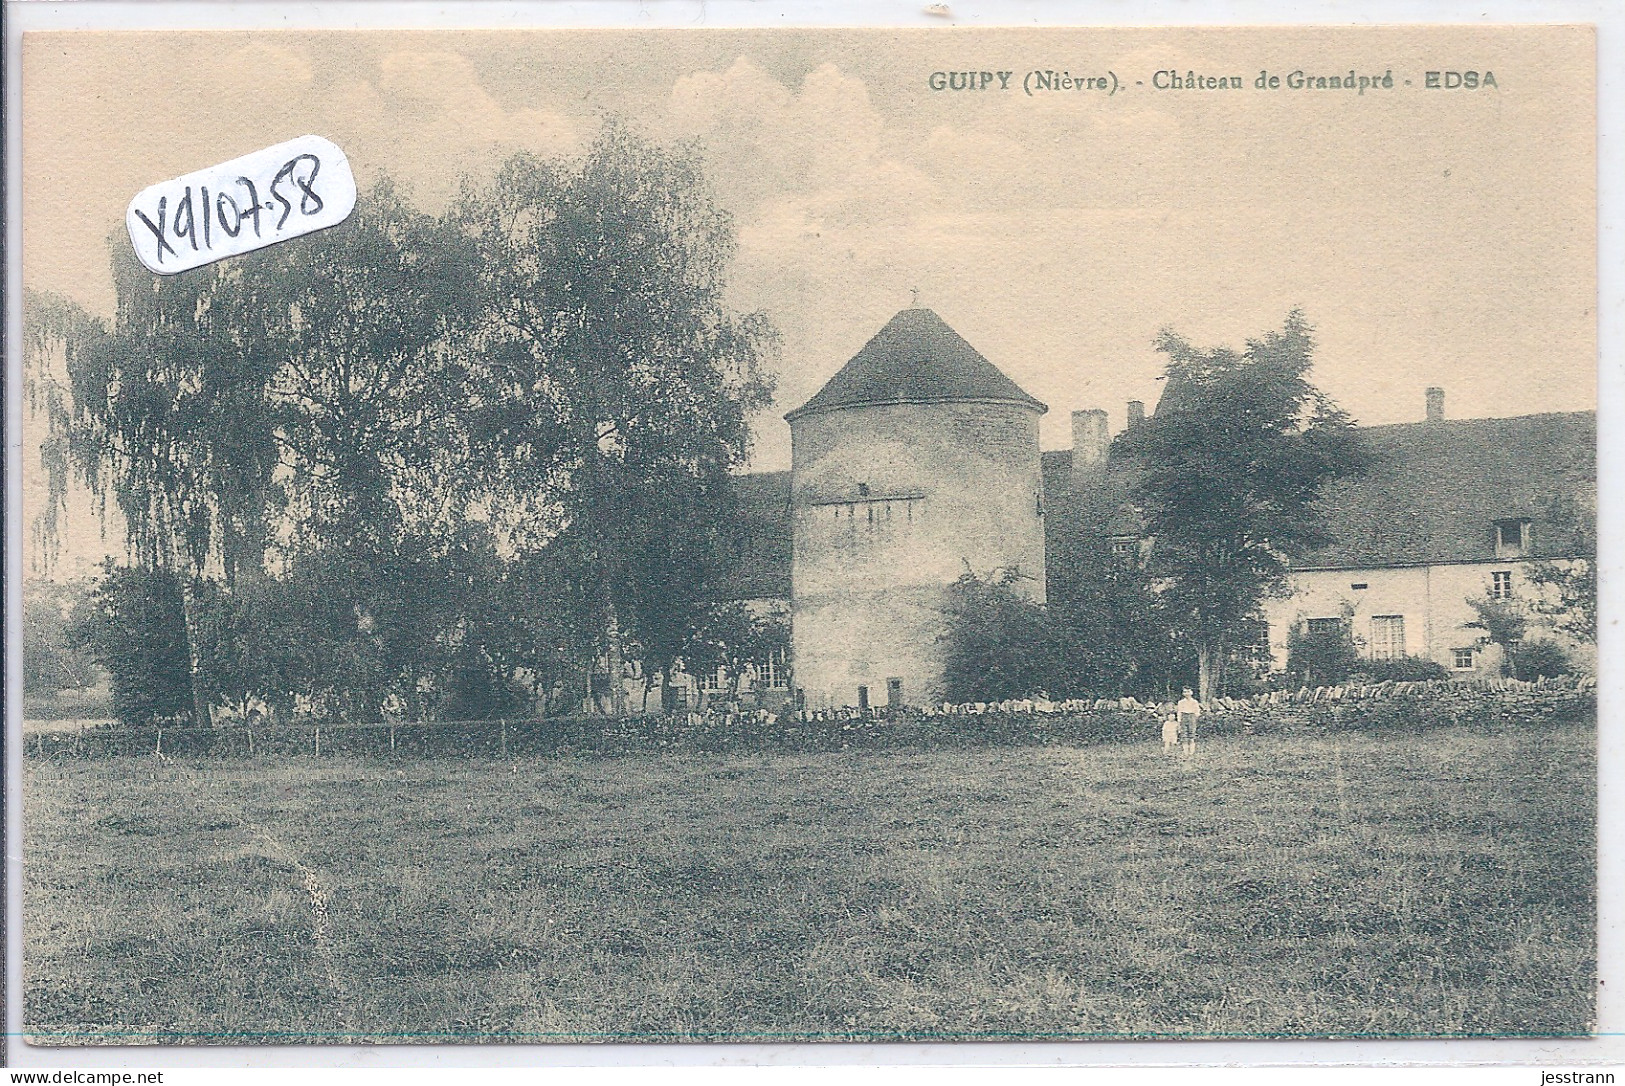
column 1436, row 489
column 916, row 358
column 759, row 567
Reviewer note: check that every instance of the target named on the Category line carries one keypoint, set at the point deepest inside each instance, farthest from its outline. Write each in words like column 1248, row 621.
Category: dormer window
column 1125, row 546
column 1512, row 538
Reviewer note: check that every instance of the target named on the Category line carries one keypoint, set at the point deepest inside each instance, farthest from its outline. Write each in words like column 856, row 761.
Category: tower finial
column 914, row 297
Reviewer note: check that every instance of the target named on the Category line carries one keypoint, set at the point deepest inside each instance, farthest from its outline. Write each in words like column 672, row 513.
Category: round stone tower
column 917, row 461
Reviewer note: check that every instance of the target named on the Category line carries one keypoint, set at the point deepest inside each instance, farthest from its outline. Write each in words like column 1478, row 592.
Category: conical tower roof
column 916, row 358
column 1178, row 394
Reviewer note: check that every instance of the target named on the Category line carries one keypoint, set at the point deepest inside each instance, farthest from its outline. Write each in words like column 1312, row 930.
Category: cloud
column 821, row 149
column 442, row 90
column 429, row 121
column 703, row 100
column 1056, row 232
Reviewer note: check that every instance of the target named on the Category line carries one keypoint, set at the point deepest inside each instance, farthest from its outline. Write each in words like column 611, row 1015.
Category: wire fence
column 235, row 739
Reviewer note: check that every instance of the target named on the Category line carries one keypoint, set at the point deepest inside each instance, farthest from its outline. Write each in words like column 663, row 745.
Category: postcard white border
column 1608, row 1047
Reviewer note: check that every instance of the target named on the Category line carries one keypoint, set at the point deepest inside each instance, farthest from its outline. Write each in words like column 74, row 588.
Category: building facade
column 916, row 463
column 1417, row 611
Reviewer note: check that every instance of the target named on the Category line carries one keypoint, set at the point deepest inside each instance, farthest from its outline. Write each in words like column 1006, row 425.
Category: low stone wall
column 1302, row 696
column 1399, row 707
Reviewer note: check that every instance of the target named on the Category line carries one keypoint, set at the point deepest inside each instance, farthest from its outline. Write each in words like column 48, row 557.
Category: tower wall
column 889, row 504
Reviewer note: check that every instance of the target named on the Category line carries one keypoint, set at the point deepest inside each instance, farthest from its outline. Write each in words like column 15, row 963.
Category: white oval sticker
column 282, row 192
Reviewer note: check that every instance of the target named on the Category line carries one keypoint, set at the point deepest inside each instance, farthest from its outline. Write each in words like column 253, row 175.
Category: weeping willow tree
column 55, row 333
column 162, row 413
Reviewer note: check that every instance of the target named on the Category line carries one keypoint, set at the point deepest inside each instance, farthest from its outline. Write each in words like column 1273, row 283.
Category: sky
column 1432, row 237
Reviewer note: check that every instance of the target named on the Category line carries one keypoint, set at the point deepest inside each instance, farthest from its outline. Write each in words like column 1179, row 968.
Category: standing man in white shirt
column 1188, row 709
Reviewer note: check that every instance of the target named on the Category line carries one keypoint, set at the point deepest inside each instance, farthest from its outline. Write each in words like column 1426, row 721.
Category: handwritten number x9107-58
column 189, row 221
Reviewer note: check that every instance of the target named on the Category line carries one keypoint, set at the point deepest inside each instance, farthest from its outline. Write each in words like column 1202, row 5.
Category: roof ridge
column 1480, row 418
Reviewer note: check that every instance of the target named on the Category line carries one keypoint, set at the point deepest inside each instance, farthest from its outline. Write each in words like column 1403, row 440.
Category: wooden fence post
column 251, row 742
column 159, row 749
column 504, row 732
column 318, row 740
column 392, row 739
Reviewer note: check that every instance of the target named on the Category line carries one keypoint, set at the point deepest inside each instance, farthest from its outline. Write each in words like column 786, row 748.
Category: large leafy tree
column 615, row 384
column 362, row 336
column 1115, row 637
column 1229, row 471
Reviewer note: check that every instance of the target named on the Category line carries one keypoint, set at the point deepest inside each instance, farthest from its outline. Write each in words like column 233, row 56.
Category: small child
column 1170, row 734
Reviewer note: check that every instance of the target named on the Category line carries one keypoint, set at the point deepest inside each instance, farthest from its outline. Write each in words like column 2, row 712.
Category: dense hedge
column 1408, row 712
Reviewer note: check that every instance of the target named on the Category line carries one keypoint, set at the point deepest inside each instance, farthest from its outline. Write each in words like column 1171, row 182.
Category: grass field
column 1439, row 884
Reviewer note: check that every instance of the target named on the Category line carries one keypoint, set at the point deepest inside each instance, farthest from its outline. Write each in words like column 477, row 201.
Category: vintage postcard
column 808, row 535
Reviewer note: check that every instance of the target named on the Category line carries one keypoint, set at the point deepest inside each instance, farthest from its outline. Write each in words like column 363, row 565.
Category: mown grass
column 1440, row 884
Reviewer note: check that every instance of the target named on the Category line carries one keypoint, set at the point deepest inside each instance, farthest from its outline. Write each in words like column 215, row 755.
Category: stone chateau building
column 920, row 459
column 917, row 461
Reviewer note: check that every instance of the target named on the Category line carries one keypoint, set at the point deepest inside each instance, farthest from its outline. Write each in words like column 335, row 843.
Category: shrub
column 1321, row 658
column 135, row 629
column 1504, row 622
column 1000, row 644
column 1540, row 660
column 1406, row 669
column 477, row 689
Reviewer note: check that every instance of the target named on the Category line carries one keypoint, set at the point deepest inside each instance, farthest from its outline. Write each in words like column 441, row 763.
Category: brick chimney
column 1136, row 412
column 1435, row 405
column 1091, row 439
